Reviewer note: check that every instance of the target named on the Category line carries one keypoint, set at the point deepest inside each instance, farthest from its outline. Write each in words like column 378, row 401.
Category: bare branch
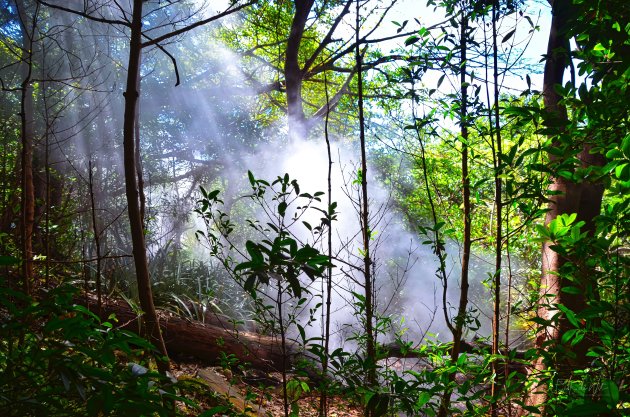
column 168, row 54
column 322, row 45
column 196, row 24
column 329, row 64
column 334, row 100
column 85, row 15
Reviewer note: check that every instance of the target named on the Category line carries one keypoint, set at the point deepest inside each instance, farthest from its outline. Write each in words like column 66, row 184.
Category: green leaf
column 249, row 283
column 441, row 80
column 378, row 404
column 566, row 174
column 625, row 146
column 569, row 314
column 254, row 251
column 568, row 219
column 610, row 393
column 568, row 335
column 578, row 338
column 294, row 283
column 423, row 398
column 282, row 208
column 588, row 409
column 572, row 290
column 508, row 36
column 411, row 40
column 623, row 171
column 302, row 333
column 614, row 154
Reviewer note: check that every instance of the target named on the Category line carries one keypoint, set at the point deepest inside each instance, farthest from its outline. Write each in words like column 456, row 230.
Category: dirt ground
column 245, row 392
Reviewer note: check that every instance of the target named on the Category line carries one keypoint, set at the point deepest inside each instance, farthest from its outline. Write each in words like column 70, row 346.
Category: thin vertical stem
column 323, row 405
column 136, row 133
column 508, row 306
column 283, row 346
column 438, row 247
column 47, row 173
column 97, row 237
column 364, row 214
column 463, row 301
column 499, row 218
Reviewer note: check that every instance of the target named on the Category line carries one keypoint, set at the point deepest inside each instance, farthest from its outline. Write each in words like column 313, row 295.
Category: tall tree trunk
column 466, row 244
column 27, row 26
column 138, row 156
column 132, row 95
column 292, row 71
column 566, row 197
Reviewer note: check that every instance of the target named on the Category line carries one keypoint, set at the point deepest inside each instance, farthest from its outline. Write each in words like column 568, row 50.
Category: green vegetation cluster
column 535, row 183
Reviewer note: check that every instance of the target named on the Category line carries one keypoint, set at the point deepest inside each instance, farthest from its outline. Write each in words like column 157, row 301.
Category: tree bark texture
column 132, row 95
column 566, row 197
column 206, row 341
column 293, row 73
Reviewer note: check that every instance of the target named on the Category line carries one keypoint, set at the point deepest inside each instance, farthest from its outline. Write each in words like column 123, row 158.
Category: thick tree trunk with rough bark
column 566, row 197
column 293, row 73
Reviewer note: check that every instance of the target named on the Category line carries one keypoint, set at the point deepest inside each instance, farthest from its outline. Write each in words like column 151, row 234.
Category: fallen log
column 207, row 341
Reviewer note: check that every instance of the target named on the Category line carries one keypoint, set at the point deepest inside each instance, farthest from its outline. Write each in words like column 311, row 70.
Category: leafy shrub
column 58, row 358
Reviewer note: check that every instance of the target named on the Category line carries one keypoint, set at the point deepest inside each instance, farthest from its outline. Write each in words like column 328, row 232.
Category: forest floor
column 250, row 396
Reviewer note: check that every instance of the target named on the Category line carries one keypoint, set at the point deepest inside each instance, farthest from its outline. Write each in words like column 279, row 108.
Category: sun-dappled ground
column 256, row 395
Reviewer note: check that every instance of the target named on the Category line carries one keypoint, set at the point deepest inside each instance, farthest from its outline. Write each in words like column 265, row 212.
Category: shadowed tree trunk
column 460, row 318
column 293, row 72
column 133, row 190
column 566, row 197
column 27, row 223
column 298, row 122
column 132, row 95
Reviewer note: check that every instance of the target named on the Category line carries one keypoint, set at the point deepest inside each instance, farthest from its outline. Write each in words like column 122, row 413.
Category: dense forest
column 315, row 207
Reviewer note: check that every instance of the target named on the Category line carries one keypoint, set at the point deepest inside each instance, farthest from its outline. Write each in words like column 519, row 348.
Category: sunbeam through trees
column 314, row 207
